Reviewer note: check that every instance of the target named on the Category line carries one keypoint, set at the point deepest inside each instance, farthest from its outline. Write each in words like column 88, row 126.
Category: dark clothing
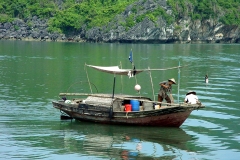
column 164, row 92
column 160, row 99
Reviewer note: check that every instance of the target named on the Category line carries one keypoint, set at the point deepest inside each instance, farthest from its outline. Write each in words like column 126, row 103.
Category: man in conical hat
column 165, row 91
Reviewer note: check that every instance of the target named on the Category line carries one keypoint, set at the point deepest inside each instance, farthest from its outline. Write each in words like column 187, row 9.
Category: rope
column 81, row 83
column 88, row 78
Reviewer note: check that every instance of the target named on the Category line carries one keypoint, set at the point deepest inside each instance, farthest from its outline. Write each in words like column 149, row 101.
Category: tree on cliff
column 67, row 15
column 121, row 20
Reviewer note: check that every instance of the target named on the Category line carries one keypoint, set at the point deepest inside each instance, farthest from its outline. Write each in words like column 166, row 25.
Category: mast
column 178, row 79
column 114, row 81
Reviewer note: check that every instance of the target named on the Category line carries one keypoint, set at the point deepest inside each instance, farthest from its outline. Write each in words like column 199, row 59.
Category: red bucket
column 128, row 108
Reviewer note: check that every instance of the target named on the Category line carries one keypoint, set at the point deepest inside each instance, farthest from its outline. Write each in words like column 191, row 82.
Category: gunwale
column 167, row 116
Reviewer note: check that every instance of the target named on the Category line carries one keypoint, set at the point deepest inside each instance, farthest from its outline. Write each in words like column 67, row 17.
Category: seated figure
column 191, row 98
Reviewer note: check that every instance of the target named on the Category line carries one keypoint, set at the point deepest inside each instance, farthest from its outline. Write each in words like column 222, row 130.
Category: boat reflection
column 123, row 141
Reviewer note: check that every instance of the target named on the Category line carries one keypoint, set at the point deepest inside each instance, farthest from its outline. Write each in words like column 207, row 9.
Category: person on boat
column 191, row 98
column 165, row 91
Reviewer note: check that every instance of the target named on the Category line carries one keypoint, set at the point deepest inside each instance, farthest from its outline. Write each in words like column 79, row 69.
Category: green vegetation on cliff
column 67, row 15
column 90, row 13
column 225, row 11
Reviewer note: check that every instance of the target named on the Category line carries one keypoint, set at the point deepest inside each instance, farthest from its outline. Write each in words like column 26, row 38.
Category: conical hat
column 191, row 92
column 173, row 80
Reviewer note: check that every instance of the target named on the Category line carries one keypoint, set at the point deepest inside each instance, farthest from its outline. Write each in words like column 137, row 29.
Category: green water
column 33, row 73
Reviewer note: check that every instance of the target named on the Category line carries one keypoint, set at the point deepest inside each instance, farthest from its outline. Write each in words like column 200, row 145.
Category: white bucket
column 157, row 106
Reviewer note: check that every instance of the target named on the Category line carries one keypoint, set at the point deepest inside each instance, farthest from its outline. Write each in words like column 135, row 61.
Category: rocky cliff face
column 31, row 29
column 184, row 30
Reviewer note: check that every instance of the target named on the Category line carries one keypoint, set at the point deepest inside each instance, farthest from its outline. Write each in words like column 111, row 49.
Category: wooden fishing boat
column 124, row 109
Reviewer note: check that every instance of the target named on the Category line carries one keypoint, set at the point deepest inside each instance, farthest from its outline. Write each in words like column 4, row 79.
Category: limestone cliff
column 183, row 30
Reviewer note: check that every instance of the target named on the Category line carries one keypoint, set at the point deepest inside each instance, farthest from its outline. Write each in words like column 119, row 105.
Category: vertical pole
column 121, row 77
column 151, row 82
column 178, row 79
column 135, row 76
column 131, row 56
column 114, row 86
column 111, row 108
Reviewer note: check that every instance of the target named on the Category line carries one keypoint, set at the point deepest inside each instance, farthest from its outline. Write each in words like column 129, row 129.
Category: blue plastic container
column 135, row 105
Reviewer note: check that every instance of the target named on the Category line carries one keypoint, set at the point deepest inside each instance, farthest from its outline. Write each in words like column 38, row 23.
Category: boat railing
column 140, row 98
column 85, row 94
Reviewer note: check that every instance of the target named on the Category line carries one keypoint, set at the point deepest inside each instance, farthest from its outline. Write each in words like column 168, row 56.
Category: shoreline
column 124, row 41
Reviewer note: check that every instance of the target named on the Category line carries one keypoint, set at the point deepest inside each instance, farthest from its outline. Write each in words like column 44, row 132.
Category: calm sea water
column 33, row 73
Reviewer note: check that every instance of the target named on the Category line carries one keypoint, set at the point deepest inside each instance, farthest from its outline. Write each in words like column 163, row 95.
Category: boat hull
column 165, row 117
column 169, row 120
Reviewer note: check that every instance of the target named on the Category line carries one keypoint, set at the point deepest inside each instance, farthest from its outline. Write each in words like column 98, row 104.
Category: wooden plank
column 75, row 94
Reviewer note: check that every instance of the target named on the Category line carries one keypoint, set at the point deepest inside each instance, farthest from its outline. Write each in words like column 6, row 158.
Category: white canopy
column 115, row 70
column 128, row 72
